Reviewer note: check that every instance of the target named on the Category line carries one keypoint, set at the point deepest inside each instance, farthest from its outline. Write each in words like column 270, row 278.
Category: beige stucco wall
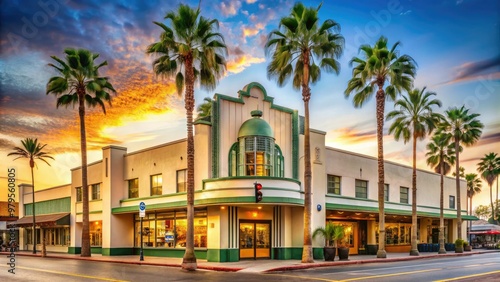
column 165, row 159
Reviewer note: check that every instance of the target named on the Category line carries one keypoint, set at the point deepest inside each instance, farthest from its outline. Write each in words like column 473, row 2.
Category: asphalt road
column 484, row 267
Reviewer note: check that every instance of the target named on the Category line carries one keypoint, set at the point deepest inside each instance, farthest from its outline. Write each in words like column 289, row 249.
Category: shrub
column 459, row 243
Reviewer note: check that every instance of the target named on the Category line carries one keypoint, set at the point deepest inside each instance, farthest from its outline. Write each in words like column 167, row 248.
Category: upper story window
column 181, row 180
column 255, row 153
column 156, row 184
column 133, row 188
column 79, row 194
column 452, row 202
column 96, row 191
column 403, row 195
column 333, row 184
column 386, row 192
column 361, row 189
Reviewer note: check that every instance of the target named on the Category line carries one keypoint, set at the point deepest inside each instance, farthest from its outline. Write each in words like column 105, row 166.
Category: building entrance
column 255, row 239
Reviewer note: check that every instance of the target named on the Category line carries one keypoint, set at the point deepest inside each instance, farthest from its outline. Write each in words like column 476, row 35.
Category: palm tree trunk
column 32, row 164
column 189, row 259
column 381, row 179
column 85, row 252
column 492, row 206
column 442, row 250
column 307, row 255
column 414, row 250
column 457, row 183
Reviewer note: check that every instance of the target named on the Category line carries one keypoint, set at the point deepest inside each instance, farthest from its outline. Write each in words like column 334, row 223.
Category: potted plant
column 459, row 245
column 467, row 247
column 332, row 233
column 343, row 250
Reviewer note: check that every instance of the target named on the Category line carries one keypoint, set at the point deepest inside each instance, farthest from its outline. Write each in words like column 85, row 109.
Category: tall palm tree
column 31, row 150
column 192, row 51
column 441, row 156
column 473, row 187
column 79, row 83
column 301, row 47
column 379, row 65
column 414, row 119
column 489, row 170
column 465, row 130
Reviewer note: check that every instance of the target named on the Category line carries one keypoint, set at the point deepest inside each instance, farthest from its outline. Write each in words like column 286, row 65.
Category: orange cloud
column 240, row 63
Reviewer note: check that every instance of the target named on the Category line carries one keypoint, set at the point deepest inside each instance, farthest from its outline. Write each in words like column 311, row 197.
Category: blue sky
column 455, row 43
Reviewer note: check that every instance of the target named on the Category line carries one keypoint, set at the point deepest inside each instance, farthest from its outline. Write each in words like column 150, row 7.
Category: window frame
column 95, row 191
column 156, row 190
column 451, row 197
column 357, row 187
column 386, row 192
column 177, row 180
column 135, row 188
column 79, row 194
column 332, row 189
column 401, row 193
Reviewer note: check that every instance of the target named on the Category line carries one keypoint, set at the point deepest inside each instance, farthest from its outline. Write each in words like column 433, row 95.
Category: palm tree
column 473, row 187
column 414, row 119
column 301, row 47
column 461, row 172
column 488, row 167
column 31, row 150
column 192, row 51
column 378, row 66
column 79, row 84
column 464, row 129
column 441, row 156
column 205, row 109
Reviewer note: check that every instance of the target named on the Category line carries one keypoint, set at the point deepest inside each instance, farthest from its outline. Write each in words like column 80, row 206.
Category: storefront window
column 57, row 236
column 96, row 233
column 396, row 234
column 168, row 229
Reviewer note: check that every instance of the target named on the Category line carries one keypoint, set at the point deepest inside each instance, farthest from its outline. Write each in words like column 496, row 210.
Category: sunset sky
column 455, row 43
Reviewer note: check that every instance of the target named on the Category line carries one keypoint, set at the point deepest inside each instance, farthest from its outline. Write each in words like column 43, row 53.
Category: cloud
column 251, row 1
column 230, row 8
column 6, row 144
column 240, row 63
column 476, row 70
column 405, row 13
column 491, row 138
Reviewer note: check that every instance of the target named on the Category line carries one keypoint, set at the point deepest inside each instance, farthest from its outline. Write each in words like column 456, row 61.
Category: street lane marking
column 71, row 274
column 392, row 274
column 468, row 276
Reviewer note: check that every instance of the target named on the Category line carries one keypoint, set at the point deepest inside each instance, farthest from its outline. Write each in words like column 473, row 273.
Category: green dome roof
column 255, row 126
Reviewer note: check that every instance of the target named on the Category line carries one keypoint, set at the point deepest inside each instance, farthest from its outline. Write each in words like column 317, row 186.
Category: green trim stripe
column 228, row 200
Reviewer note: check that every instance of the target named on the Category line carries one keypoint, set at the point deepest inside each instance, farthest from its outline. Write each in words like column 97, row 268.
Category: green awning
column 342, row 207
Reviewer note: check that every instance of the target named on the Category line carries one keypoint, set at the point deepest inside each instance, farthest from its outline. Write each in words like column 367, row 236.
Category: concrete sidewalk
column 266, row 265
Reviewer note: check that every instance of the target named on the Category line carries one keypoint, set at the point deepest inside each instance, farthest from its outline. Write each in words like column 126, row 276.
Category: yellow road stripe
column 468, row 276
column 392, row 274
column 70, row 274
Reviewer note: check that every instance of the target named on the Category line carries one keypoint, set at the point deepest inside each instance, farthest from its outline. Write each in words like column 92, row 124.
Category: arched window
column 256, row 156
column 255, row 153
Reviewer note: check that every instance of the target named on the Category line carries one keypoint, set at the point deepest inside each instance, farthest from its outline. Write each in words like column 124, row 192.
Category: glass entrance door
column 255, row 240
